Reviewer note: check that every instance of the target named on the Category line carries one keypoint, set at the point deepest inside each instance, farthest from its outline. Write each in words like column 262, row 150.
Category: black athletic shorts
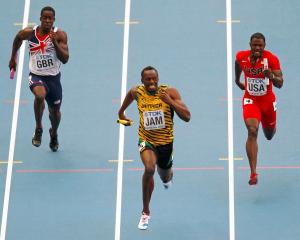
column 52, row 85
column 164, row 153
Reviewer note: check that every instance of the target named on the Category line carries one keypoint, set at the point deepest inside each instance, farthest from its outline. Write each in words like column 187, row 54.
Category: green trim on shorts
column 170, row 162
column 143, row 145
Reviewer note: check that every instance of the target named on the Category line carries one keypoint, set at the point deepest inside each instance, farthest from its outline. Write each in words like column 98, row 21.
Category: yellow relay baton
column 125, row 122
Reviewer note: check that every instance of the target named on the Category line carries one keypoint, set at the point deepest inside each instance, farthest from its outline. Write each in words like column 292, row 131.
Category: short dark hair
column 48, row 8
column 258, row 35
column 147, row 69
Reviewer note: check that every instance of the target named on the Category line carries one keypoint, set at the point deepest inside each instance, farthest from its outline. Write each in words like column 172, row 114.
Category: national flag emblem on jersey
column 248, row 101
column 41, row 47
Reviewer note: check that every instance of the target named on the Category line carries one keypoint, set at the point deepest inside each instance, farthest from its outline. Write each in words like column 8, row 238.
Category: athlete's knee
column 39, row 98
column 166, row 175
column 252, row 131
column 166, row 178
column 149, row 170
column 54, row 111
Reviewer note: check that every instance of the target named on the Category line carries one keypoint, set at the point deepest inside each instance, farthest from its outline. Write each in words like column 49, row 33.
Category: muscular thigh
column 54, row 94
column 268, row 112
column 165, row 156
column 52, row 86
column 251, row 109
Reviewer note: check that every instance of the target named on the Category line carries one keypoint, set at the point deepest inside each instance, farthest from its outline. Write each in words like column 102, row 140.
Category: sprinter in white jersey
column 48, row 48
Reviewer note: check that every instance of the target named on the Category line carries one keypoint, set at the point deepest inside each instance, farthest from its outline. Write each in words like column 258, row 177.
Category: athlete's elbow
column 65, row 59
column 187, row 117
column 279, row 85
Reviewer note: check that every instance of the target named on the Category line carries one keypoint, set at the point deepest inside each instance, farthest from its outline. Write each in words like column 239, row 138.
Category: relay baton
column 125, row 122
column 266, row 68
column 12, row 73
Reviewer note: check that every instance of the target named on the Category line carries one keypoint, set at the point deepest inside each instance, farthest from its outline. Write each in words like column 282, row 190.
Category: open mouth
column 152, row 87
column 257, row 53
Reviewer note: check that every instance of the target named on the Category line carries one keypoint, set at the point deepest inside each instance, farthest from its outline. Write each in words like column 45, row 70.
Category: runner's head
column 257, row 44
column 149, row 77
column 47, row 18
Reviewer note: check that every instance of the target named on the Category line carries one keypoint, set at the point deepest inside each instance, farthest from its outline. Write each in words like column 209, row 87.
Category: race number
column 154, row 120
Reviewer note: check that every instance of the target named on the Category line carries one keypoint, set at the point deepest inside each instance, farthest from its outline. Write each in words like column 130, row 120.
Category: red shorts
column 261, row 108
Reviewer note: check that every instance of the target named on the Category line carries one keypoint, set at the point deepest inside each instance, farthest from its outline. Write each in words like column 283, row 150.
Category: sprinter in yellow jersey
column 156, row 105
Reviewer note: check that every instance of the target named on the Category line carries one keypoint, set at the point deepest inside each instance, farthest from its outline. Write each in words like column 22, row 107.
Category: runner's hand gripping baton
column 125, row 122
column 12, row 73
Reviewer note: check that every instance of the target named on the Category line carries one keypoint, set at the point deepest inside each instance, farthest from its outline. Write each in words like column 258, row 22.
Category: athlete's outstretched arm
column 60, row 41
column 129, row 98
column 238, row 72
column 24, row 34
column 172, row 97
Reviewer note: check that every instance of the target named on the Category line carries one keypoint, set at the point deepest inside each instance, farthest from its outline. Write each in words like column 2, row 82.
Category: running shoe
column 37, row 137
column 167, row 185
column 53, row 141
column 144, row 221
column 253, row 179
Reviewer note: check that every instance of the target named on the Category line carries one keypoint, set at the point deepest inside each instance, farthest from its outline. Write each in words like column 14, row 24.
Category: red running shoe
column 253, row 179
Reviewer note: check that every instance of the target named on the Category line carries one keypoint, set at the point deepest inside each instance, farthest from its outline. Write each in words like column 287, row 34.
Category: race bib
column 154, row 119
column 256, row 86
column 44, row 62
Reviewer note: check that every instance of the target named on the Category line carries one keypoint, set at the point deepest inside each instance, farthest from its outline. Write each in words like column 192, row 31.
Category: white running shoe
column 167, row 184
column 144, row 221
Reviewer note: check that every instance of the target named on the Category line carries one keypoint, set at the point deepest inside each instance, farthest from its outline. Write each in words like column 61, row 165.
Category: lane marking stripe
column 226, row 158
column 184, row 169
column 122, row 127
column 11, row 101
column 225, row 21
column 14, row 127
column 116, row 161
column 131, row 22
column 231, row 204
column 65, row 170
column 21, row 24
column 272, row 167
column 15, row 162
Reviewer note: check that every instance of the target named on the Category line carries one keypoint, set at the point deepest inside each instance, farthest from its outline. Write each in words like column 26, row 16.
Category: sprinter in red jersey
column 261, row 70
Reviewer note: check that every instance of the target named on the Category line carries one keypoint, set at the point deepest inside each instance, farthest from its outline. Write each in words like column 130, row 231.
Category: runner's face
column 47, row 20
column 150, row 80
column 257, row 46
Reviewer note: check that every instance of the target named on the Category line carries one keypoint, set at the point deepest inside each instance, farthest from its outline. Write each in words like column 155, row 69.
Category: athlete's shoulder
column 60, row 32
column 25, row 33
column 242, row 54
column 269, row 54
column 137, row 91
column 139, row 87
column 272, row 58
column 173, row 92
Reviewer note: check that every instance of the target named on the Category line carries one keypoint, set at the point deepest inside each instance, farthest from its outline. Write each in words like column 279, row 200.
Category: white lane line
column 122, row 128
column 230, row 121
column 14, row 128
